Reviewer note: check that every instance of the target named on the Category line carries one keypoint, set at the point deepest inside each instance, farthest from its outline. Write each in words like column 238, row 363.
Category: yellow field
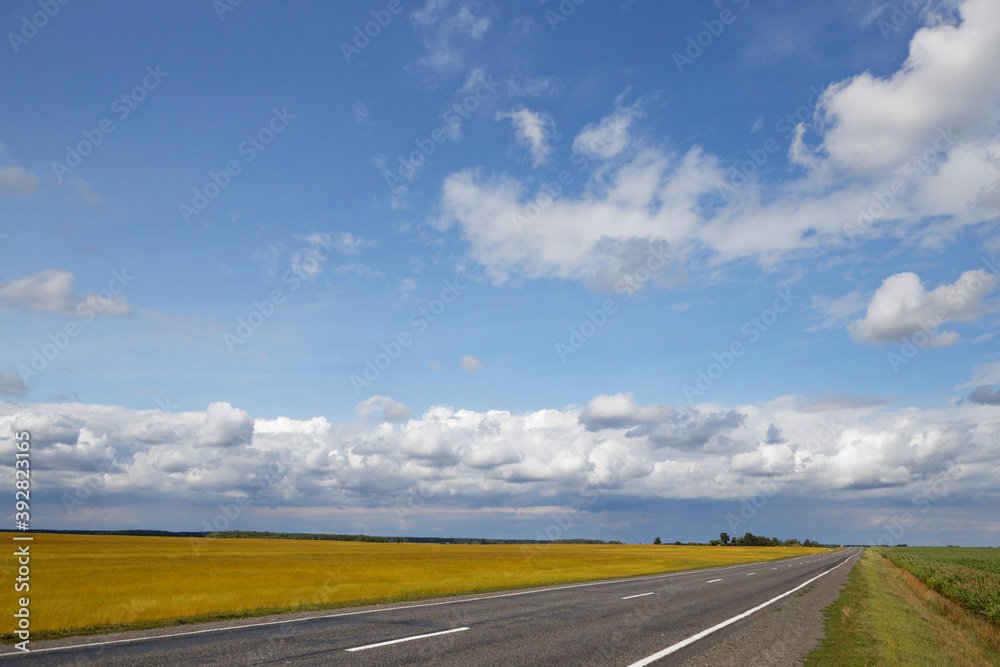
column 85, row 582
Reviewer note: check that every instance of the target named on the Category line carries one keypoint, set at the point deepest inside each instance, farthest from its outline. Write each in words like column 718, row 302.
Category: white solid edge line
column 375, row 611
column 629, row 597
column 704, row 633
column 406, row 639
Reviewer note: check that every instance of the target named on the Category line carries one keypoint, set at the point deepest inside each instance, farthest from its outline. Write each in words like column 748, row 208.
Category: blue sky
column 492, row 257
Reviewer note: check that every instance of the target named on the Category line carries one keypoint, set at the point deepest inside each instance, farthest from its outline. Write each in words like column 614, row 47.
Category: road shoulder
column 782, row 634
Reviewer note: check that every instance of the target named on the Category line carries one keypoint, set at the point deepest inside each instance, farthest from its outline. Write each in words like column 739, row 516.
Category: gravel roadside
column 782, row 634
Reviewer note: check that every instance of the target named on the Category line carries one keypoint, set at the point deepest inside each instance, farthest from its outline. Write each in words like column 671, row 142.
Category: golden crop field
column 84, row 582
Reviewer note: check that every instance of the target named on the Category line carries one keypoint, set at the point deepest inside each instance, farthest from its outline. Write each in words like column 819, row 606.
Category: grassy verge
column 886, row 616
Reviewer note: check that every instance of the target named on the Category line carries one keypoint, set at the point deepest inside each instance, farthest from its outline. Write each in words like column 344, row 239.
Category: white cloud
column 384, row 407
column 611, row 136
column 886, row 166
column 224, row 426
column 82, row 188
column 651, row 201
column 950, row 79
column 472, row 364
column 308, row 262
column 51, row 291
column 445, row 32
column 12, row 385
column 983, row 374
column 532, row 130
column 901, row 307
column 619, row 411
column 407, row 285
column 18, row 181
column 362, row 113
column 470, row 459
column 839, row 310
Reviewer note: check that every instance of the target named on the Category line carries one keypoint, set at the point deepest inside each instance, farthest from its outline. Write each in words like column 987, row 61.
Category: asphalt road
column 661, row 620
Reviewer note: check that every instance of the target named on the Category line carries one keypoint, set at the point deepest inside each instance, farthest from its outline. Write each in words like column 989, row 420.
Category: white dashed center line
column 406, row 639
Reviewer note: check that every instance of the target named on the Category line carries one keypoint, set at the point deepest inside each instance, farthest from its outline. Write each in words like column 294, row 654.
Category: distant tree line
column 133, row 533
column 267, row 535
column 318, row 536
column 749, row 540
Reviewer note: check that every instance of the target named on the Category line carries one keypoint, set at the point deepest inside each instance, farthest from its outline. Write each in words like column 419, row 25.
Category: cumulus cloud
column 690, row 430
column 224, row 426
column 384, row 407
column 472, row 364
column 619, row 411
column 51, row 291
column 774, row 436
column 948, row 81
column 12, row 385
column 474, row 460
column 985, row 395
column 532, row 129
column 901, row 307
